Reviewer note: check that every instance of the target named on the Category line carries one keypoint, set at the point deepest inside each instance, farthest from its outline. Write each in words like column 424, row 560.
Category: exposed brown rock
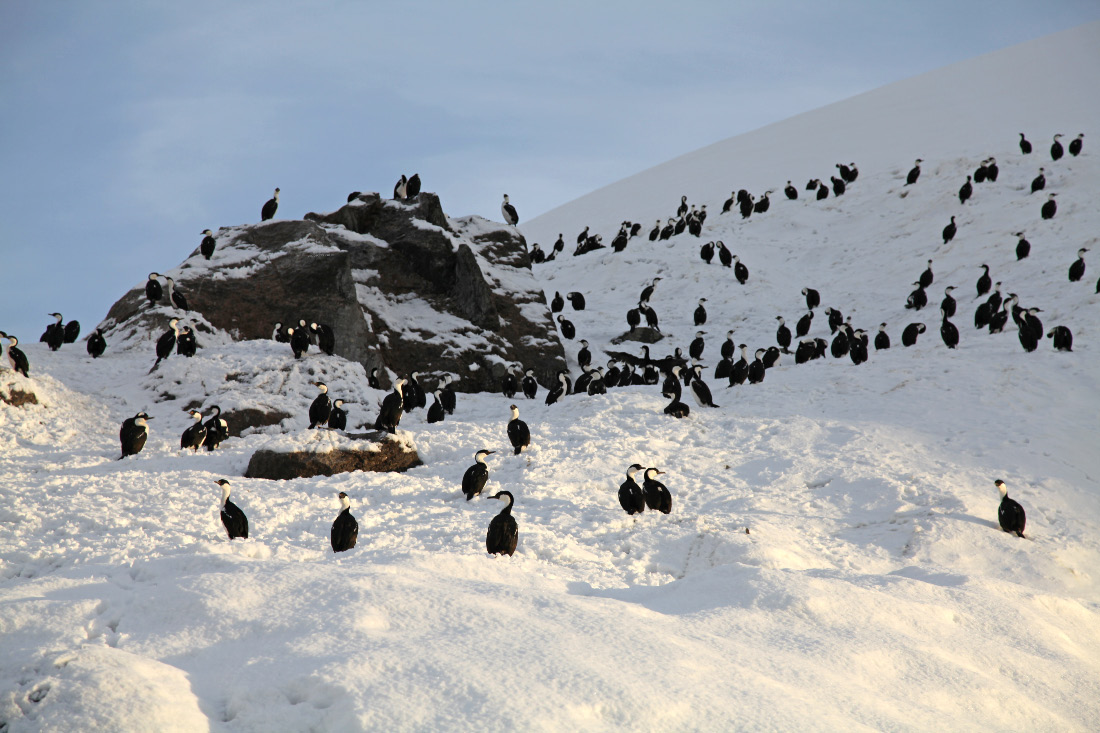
column 17, row 397
column 384, row 454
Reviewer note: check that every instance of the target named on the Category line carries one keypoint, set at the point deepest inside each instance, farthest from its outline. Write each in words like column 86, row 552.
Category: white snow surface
column 832, row 560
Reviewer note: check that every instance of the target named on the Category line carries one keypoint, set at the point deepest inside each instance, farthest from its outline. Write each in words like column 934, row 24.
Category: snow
column 832, row 560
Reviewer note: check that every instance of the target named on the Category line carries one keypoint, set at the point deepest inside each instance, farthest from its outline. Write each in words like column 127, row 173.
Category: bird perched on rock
column 509, row 212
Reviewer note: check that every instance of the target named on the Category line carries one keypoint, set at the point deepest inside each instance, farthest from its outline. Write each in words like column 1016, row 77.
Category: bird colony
column 849, row 481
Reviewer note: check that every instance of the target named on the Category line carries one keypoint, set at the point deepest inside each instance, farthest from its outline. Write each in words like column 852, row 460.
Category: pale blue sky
column 126, row 128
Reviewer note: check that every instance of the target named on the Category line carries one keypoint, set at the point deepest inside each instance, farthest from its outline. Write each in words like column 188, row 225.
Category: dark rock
column 384, row 453
column 401, row 285
column 17, row 397
column 241, row 420
column 641, row 334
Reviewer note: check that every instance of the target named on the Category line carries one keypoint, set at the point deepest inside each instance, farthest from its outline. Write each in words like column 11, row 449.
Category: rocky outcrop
column 17, row 397
column 381, row 452
column 401, row 284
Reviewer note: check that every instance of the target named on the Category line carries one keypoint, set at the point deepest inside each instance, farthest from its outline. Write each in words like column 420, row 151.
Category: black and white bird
column 1056, row 150
column 233, row 519
column 326, row 337
column 918, row 298
column 509, row 383
column 791, row 191
column 412, row 188
column 948, row 305
column 568, row 330
column 436, row 413
column 473, row 481
column 389, row 414
column 701, row 313
column 910, row 333
column 576, row 300
column 740, row 271
column 186, row 343
column 1025, row 146
column 926, row 278
column 949, row 231
column 338, row 418
column 676, row 408
column 802, row 327
column 557, row 303
column 174, row 296
column 985, row 282
column 1050, row 207
column 782, row 335
column 372, row 380
column 813, row 298
column 948, row 331
column 756, row 368
column 584, row 356
column 695, row 348
column 345, row 530
column 882, row 339
column 1077, row 269
column 559, row 390
column 133, row 434
column 278, row 335
column 1010, row 515
column 217, row 429
column 270, row 207
column 195, row 435
column 153, row 290
column 966, row 191
column 413, row 395
column 631, row 498
column 16, row 357
column 54, row 335
column 166, row 344
column 400, row 188
column 509, row 212
column 96, row 344
column 321, row 407
column 529, row 384
column 1023, row 247
column 503, row 534
column 706, row 252
column 447, row 396
column 700, row 389
column 1039, row 182
column 914, row 173
column 1062, row 338
column 1076, row 144
column 724, row 255
column 206, row 247
column 299, row 341
column 518, row 433
column 657, row 496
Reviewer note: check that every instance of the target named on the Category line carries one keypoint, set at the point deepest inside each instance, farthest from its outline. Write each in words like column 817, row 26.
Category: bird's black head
column 222, row 482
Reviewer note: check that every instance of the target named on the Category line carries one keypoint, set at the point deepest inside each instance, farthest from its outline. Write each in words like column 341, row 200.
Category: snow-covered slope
column 974, row 108
column 832, row 560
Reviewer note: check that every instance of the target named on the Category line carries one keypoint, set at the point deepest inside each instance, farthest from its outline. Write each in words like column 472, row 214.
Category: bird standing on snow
column 656, row 494
column 509, row 212
column 206, row 248
column 175, row 297
column 1077, row 269
column 194, row 436
column 96, row 344
column 503, row 533
column 473, row 481
column 166, row 344
column 345, row 530
column 338, row 418
column 153, row 289
column 18, row 359
column 518, row 432
column 631, row 498
column 1010, row 514
column 133, row 434
column 389, row 416
column 234, row 520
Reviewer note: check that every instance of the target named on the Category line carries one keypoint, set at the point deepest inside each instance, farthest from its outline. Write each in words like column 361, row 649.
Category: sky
column 128, row 128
